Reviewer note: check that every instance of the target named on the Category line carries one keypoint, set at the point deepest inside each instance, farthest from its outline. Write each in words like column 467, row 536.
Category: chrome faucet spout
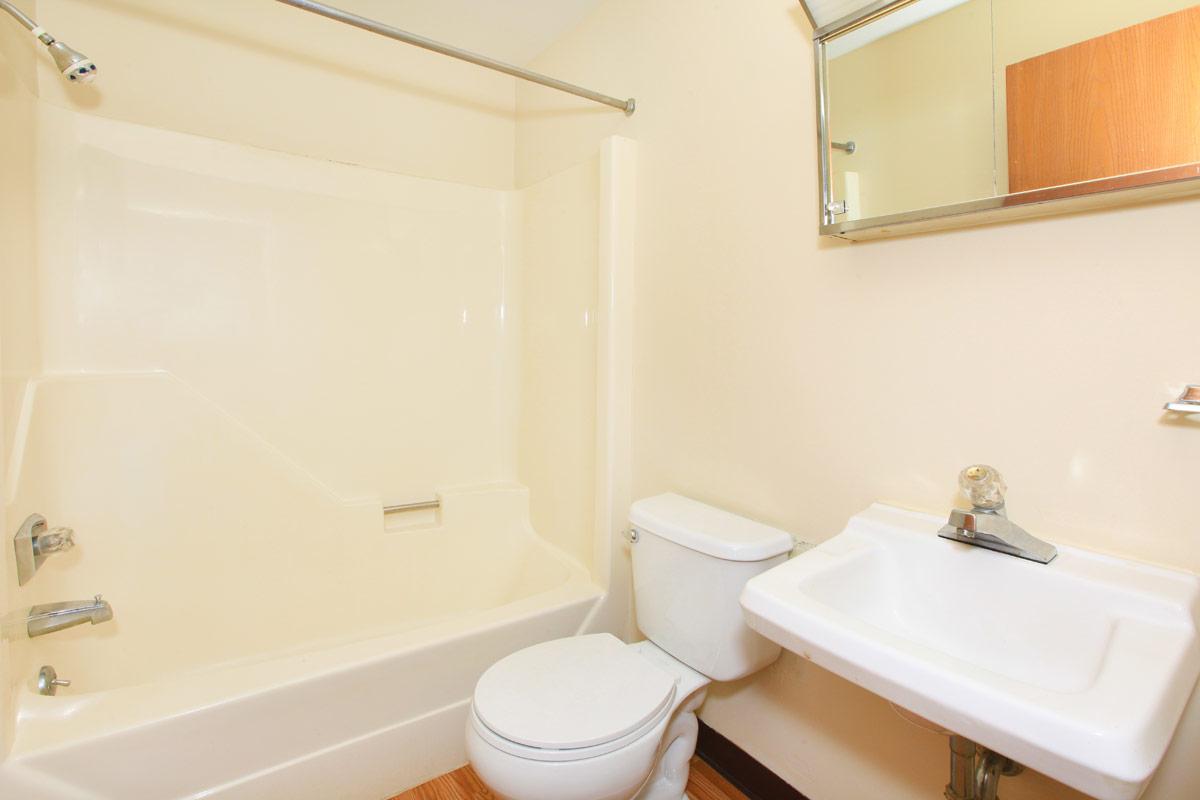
column 987, row 524
column 51, row 617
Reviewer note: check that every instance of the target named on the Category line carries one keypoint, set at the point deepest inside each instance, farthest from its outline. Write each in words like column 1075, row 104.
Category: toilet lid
column 572, row 693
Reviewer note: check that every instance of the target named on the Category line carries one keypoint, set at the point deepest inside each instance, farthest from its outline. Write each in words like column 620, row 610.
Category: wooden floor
column 703, row 784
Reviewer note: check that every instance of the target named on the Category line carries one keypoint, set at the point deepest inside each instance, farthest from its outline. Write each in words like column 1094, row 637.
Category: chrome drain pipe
column 975, row 771
column 962, row 769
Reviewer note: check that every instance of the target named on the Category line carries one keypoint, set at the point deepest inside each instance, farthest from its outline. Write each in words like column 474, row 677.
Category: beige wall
column 263, row 74
column 796, row 379
column 918, row 104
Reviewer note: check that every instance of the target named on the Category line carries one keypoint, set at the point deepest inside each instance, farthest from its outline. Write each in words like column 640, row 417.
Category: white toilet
column 592, row 718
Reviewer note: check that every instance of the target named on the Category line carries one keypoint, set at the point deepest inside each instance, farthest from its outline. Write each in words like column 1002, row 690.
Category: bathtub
column 364, row 719
column 355, row 684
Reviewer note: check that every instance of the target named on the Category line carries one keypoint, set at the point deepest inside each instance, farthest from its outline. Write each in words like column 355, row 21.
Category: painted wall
column 264, row 74
column 796, row 380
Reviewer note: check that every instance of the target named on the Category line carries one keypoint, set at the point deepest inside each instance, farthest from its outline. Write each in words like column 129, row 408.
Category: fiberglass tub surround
column 244, row 357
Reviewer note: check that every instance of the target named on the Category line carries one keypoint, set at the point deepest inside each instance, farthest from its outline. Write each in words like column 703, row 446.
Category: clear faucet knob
column 55, row 540
column 984, row 486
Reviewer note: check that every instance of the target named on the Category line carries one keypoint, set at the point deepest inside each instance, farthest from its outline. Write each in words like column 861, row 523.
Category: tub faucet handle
column 55, row 540
column 35, row 542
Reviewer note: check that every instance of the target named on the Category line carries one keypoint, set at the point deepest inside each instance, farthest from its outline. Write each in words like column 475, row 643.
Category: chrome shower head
column 74, row 65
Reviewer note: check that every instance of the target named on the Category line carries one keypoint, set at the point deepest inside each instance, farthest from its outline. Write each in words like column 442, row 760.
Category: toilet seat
column 571, row 699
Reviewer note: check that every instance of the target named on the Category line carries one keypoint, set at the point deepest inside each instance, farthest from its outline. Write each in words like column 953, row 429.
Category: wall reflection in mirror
column 952, row 101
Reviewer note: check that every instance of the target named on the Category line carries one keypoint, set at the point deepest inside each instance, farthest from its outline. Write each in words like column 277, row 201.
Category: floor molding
column 739, row 768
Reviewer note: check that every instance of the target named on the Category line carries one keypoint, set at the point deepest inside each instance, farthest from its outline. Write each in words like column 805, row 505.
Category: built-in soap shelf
column 409, row 516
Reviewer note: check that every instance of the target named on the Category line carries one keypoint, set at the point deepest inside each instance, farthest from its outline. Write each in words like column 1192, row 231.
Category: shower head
column 74, row 65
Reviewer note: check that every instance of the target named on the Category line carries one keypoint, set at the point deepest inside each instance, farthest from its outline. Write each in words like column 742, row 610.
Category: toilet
column 592, row 718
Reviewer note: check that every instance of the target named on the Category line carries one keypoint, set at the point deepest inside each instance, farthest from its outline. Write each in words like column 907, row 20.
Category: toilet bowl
column 586, row 718
column 593, row 718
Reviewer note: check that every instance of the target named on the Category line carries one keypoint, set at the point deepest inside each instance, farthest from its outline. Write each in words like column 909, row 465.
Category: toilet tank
column 690, row 563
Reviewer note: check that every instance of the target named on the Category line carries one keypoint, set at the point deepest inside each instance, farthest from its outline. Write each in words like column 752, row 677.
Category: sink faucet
column 987, row 524
column 52, row 617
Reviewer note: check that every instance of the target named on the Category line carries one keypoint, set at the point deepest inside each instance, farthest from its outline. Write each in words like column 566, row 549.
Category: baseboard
column 739, row 768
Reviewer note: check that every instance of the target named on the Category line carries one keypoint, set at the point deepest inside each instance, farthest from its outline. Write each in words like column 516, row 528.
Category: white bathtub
column 365, row 719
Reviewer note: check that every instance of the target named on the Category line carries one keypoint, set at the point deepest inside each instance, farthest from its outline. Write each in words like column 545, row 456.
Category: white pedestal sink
column 1079, row 669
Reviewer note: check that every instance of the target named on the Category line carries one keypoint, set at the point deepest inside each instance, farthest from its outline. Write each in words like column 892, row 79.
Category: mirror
column 943, row 113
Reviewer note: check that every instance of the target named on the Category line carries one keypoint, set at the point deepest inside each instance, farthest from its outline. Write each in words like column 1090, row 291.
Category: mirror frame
column 1084, row 196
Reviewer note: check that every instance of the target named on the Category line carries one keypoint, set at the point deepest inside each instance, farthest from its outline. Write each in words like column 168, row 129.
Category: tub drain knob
column 48, row 681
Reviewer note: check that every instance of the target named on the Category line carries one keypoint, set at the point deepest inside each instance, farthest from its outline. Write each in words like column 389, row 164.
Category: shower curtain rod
column 628, row 106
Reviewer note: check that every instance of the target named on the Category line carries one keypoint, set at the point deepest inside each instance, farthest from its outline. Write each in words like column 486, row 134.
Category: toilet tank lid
column 708, row 530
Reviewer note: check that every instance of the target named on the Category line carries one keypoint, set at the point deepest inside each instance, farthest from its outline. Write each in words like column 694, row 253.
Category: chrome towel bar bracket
column 1188, row 402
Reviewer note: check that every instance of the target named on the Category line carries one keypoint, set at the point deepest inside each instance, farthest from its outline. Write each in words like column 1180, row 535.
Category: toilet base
column 669, row 779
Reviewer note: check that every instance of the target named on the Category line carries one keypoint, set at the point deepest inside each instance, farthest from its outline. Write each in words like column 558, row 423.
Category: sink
column 1079, row 668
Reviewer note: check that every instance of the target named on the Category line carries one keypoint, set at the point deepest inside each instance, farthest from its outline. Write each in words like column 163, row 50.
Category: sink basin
column 1079, row 669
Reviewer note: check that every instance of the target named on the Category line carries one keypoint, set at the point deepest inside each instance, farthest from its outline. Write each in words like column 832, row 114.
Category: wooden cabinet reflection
column 1117, row 111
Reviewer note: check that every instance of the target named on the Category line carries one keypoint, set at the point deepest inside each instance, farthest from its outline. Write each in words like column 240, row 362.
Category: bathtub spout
column 52, row 617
